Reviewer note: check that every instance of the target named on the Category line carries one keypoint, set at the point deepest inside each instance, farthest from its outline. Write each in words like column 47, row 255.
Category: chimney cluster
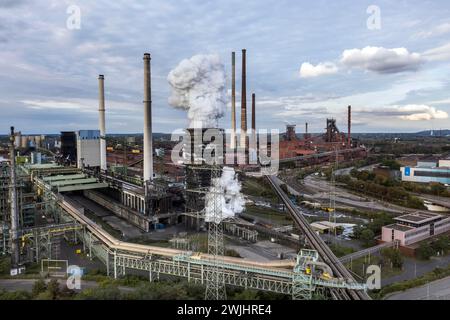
column 243, row 141
column 148, row 148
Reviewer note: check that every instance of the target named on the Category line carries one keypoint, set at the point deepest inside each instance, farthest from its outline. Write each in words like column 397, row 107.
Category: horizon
column 389, row 61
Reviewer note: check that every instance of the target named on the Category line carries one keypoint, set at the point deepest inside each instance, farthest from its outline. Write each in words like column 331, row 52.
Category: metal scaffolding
column 214, row 272
column 215, row 284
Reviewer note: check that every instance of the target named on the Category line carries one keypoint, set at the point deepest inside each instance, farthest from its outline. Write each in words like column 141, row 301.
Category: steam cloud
column 198, row 86
column 227, row 189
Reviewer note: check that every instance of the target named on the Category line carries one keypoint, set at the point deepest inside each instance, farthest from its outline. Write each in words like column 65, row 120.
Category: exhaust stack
column 349, row 135
column 243, row 143
column 233, row 100
column 148, row 149
column 101, row 111
column 15, row 257
column 253, row 114
column 306, row 130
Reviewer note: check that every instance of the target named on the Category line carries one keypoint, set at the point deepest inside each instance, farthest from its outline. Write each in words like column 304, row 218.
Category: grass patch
column 340, row 251
column 258, row 187
column 436, row 274
column 267, row 213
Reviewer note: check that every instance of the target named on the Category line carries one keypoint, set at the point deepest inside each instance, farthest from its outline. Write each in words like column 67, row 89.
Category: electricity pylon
column 215, row 279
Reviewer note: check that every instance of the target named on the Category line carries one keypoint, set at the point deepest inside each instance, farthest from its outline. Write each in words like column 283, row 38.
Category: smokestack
column 306, row 130
column 349, row 135
column 101, row 111
column 244, row 105
column 233, row 100
column 148, row 149
column 14, row 206
column 253, row 114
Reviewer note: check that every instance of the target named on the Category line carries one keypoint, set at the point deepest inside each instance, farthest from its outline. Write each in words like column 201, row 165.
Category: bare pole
column 15, row 258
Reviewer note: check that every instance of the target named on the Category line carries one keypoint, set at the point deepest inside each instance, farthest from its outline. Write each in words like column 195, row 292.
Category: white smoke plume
column 198, row 86
column 227, row 189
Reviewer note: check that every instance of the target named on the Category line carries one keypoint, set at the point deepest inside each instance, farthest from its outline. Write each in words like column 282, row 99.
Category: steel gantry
column 298, row 279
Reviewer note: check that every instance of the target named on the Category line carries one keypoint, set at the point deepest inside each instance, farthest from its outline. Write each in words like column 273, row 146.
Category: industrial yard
column 193, row 163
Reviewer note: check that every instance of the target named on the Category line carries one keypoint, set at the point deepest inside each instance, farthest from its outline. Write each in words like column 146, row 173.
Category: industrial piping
column 15, row 257
column 233, row 100
column 101, row 111
column 349, row 135
column 148, row 149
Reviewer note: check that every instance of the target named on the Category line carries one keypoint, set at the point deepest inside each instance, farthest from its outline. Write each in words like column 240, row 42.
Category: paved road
column 27, row 284
column 321, row 189
column 436, row 290
column 415, row 268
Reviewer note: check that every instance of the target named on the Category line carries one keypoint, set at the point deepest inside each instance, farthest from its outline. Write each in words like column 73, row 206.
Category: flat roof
column 418, row 217
column 399, row 227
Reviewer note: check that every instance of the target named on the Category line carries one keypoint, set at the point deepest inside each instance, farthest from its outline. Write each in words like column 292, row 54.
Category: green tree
column 38, row 287
column 367, row 236
column 393, row 256
column 246, row 295
column 425, row 251
column 437, row 188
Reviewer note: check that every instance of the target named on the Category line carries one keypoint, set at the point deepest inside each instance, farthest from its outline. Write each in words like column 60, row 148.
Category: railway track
column 318, row 244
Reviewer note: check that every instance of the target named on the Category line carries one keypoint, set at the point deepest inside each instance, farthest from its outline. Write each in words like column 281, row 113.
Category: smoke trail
column 198, row 86
column 227, row 188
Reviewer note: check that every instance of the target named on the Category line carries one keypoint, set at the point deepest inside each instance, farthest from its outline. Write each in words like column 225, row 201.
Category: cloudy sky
column 307, row 60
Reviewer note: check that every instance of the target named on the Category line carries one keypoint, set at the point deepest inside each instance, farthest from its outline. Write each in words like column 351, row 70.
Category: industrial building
column 414, row 227
column 88, row 148
column 69, row 146
column 428, row 171
column 333, row 139
column 26, row 141
column 65, row 197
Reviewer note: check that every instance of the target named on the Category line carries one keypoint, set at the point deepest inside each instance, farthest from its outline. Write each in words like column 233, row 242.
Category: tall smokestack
column 349, row 135
column 148, row 149
column 233, row 100
column 306, row 130
column 14, row 206
column 244, row 106
column 253, row 114
column 101, row 111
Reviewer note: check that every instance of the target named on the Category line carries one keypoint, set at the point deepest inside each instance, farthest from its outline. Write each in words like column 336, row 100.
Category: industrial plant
column 50, row 197
column 203, row 172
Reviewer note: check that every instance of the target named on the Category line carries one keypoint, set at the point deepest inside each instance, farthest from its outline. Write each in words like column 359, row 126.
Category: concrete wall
column 89, row 150
column 120, row 210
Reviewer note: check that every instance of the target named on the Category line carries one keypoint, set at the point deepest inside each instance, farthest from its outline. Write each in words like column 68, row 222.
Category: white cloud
column 308, row 70
column 381, row 60
column 376, row 59
column 441, row 53
column 421, row 112
column 81, row 105
column 410, row 112
column 439, row 30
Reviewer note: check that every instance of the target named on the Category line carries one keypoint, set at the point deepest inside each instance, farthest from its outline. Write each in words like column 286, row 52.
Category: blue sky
column 307, row 60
